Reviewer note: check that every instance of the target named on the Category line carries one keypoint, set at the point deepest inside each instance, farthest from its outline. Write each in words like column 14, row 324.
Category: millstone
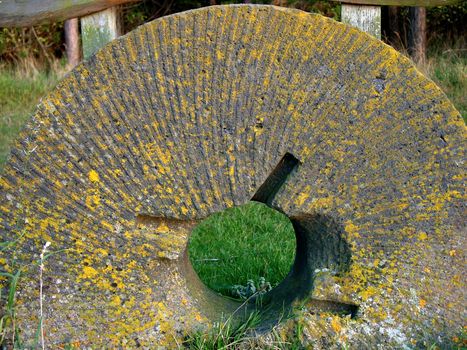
column 204, row 110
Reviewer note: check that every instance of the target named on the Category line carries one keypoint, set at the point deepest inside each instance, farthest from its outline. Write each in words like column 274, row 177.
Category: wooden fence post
column 72, row 42
column 417, row 34
column 98, row 29
column 365, row 17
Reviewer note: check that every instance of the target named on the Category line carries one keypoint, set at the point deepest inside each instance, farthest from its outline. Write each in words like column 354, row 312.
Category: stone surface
column 191, row 114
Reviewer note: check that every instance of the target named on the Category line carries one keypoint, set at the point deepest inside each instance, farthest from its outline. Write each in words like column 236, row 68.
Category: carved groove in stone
column 268, row 190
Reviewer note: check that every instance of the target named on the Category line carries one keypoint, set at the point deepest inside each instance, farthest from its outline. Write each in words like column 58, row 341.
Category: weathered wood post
column 98, row 29
column 363, row 17
column 417, row 34
column 72, row 42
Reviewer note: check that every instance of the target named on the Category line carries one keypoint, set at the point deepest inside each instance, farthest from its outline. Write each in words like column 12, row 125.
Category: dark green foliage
column 136, row 14
column 447, row 22
column 43, row 44
column 144, row 11
column 326, row 8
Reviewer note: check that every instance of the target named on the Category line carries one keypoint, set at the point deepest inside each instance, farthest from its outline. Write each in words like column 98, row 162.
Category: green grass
column 240, row 244
column 19, row 95
column 448, row 69
column 9, row 333
column 226, row 334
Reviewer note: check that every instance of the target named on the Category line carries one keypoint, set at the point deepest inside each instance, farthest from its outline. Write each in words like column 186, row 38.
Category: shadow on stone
column 320, row 245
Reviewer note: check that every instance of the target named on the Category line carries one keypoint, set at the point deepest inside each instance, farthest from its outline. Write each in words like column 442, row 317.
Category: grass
column 10, row 336
column 450, row 72
column 240, row 244
column 9, row 333
column 448, row 69
column 19, row 94
column 226, row 334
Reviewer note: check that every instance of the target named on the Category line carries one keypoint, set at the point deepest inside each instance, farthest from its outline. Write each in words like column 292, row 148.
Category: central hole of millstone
column 244, row 251
column 261, row 259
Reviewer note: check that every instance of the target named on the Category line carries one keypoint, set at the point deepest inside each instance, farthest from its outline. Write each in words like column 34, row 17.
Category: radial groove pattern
column 189, row 115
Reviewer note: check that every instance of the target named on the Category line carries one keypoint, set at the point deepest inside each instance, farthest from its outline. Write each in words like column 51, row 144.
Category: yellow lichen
column 89, row 272
column 93, row 176
column 422, row 236
column 162, row 228
column 336, row 324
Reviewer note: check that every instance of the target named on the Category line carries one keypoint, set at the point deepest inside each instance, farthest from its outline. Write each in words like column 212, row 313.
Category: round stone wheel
column 208, row 109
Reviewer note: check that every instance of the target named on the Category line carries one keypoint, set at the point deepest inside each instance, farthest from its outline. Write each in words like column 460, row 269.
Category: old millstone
column 204, row 110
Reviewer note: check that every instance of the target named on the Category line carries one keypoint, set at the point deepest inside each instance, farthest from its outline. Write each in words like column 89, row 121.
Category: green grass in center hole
column 242, row 243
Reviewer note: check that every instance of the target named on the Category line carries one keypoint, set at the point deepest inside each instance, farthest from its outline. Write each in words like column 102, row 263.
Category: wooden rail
column 23, row 13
